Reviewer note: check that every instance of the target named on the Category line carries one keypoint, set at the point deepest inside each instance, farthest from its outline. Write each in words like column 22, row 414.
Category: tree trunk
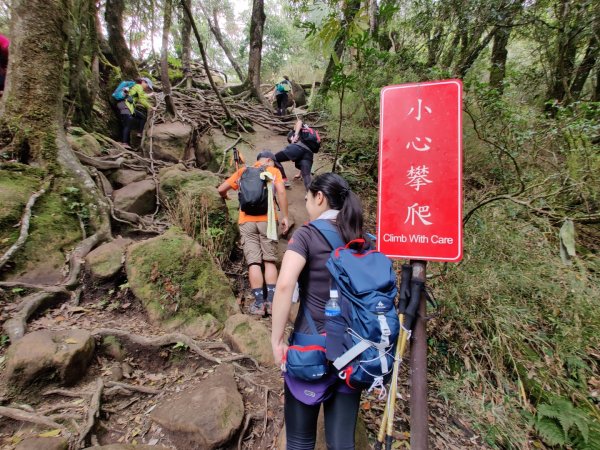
column 216, row 31
column 186, row 46
column 498, row 59
column 114, row 23
column 338, row 49
column 31, row 109
column 350, row 10
column 471, row 56
column 587, row 64
column 596, row 91
column 164, row 59
column 373, row 11
column 82, row 45
column 188, row 11
column 257, row 25
column 433, row 46
column 566, row 52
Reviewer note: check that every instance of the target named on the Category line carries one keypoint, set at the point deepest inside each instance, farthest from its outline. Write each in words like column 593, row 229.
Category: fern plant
column 560, row 423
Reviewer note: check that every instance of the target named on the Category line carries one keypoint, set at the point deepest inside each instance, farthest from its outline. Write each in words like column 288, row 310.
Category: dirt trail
column 126, row 418
column 265, row 139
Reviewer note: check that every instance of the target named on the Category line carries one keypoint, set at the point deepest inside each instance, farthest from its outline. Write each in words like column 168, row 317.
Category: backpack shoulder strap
column 329, row 231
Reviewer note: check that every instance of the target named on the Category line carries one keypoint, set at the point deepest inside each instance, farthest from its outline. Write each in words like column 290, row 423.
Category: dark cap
column 265, row 154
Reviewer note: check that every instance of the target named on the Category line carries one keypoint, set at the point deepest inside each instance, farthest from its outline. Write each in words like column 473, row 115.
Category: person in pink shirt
column 4, row 43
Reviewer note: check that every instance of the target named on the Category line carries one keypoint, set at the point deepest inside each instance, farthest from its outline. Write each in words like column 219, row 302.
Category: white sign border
column 457, row 83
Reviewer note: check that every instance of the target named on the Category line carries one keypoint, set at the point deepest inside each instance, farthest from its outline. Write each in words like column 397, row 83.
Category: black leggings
column 282, row 101
column 304, row 165
column 341, row 411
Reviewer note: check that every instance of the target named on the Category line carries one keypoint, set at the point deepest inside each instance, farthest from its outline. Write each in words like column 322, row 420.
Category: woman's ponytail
column 340, row 197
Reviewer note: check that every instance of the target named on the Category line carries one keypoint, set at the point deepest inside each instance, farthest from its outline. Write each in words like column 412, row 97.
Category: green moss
column 175, row 279
column 242, row 328
column 53, row 230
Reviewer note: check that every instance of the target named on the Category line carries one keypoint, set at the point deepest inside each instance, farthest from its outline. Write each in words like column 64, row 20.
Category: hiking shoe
column 269, row 308
column 257, row 309
column 125, row 145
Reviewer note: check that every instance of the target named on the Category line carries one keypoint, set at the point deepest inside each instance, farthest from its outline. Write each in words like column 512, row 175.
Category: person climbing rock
column 299, row 153
column 282, row 90
column 258, row 224
column 133, row 104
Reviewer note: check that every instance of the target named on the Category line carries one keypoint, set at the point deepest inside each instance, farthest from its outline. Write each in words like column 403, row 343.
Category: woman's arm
column 291, row 266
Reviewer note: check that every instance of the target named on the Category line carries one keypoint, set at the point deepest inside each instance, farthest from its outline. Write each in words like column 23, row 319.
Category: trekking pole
column 387, row 420
column 236, row 158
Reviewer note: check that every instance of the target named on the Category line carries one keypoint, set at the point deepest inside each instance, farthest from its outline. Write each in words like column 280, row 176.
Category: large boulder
column 189, row 194
column 210, row 148
column 206, row 416
column 250, row 337
column 298, row 95
column 123, row 177
column 43, row 443
column 83, row 142
column 107, row 260
column 49, row 356
column 169, row 140
column 138, row 197
column 54, row 228
column 177, row 282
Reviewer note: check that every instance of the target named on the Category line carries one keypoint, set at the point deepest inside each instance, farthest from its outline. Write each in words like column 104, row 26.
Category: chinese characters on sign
column 420, row 171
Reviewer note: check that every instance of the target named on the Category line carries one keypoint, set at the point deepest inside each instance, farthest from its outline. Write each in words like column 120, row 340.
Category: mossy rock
column 249, row 336
column 106, row 261
column 84, row 142
column 176, row 280
column 210, row 149
column 194, row 192
column 54, row 228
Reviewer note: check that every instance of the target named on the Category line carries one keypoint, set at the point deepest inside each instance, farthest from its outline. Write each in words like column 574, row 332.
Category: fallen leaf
column 51, row 433
column 71, row 341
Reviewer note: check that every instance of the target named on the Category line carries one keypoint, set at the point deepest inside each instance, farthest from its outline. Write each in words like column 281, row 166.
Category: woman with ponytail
column 329, row 197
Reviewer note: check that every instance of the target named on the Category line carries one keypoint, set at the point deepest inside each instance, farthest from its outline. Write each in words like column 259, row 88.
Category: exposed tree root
column 15, row 326
column 67, row 393
column 169, row 339
column 99, row 163
column 25, row 218
column 93, row 411
column 24, row 416
column 249, row 418
column 133, row 387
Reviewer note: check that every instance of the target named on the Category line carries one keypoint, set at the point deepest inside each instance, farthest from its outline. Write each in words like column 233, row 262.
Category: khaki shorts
column 257, row 248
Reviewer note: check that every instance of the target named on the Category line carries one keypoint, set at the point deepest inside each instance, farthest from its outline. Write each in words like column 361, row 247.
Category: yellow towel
column 271, row 222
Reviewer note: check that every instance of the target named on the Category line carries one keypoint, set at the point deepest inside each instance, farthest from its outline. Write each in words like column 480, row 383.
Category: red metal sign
column 420, row 171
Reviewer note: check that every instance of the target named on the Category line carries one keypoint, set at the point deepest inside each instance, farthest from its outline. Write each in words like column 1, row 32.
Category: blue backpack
column 122, row 90
column 361, row 341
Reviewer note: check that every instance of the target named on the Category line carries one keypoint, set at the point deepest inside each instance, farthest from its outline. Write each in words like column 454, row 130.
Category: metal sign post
column 419, row 215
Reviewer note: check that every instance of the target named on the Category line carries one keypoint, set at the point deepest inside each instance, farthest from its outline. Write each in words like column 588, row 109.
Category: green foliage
column 75, row 204
column 560, row 423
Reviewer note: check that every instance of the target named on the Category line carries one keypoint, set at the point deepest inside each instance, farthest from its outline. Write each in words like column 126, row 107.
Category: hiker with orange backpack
column 257, row 223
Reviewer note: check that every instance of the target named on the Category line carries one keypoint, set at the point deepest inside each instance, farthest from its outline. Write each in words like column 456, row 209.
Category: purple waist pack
column 315, row 392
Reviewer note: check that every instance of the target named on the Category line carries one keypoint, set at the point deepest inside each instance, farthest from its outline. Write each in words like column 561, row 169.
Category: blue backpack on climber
column 122, row 90
column 361, row 341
